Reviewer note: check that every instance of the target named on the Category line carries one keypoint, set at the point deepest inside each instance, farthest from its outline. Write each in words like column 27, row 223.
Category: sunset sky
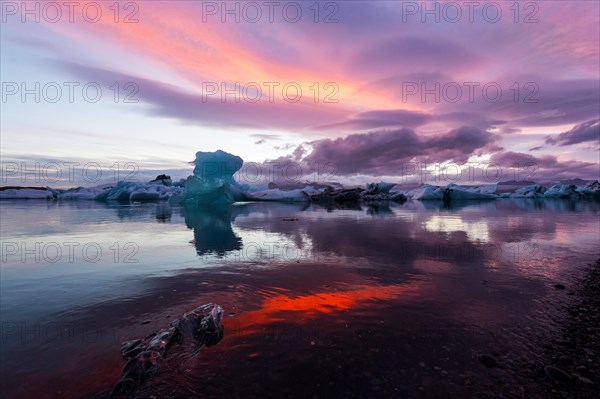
column 361, row 68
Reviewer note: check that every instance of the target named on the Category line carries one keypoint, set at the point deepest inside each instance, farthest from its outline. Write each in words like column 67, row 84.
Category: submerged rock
column 201, row 327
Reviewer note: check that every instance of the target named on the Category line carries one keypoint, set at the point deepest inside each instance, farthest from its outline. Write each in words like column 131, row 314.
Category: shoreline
column 572, row 365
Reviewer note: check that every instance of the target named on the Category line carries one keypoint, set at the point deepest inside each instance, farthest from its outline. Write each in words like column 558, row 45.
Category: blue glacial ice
column 212, row 181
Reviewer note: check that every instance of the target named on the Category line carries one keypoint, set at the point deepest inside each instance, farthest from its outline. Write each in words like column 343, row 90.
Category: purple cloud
column 401, row 118
column 543, row 168
column 410, row 53
column 386, row 152
column 166, row 100
column 584, row 132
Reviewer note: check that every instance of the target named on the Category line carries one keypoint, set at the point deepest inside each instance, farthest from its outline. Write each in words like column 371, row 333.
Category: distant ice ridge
column 452, row 192
column 156, row 190
column 26, row 193
column 126, row 191
column 212, row 182
column 590, row 190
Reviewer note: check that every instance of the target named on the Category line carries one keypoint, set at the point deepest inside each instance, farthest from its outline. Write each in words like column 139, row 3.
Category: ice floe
column 26, row 193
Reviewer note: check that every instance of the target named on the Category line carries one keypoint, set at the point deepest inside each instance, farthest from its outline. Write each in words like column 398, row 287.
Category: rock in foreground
column 200, row 327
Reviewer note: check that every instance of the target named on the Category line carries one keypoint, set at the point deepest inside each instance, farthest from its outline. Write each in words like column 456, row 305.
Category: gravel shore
column 573, row 367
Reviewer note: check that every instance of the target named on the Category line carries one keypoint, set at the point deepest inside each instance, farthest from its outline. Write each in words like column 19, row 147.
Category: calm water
column 378, row 301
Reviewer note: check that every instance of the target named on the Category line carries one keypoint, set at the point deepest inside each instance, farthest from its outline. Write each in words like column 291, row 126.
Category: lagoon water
column 381, row 300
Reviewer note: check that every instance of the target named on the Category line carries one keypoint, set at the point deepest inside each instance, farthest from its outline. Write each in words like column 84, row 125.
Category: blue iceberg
column 212, row 181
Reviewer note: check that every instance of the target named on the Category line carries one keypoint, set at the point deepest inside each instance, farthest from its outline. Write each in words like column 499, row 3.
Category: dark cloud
column 523, row 101
column 401, row 118
column 542, row 103
column 584, row 132
column 515, row 159
column 386, row 152
column 544, row 168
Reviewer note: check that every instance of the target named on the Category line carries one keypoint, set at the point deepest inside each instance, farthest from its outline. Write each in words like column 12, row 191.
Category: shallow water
column 379, row 301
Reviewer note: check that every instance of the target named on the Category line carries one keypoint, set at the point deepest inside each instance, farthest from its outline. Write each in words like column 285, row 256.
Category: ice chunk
column 426, row 192
column 83, row 193
column 135, row 191
column 26, row 193
column 213, row 182
column 312, row 190
column 531, row 191
column 592, row 189
column 487, row 189
column 379, row 188
column 460, row 193
column 276, row 194
column 561, row 191
column 451, row 192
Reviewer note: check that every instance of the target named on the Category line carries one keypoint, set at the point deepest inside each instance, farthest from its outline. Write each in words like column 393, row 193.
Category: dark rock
column 131, row 348
column 488, row 360
column 557, row 375
column 145, row 364
column 559, row 286
column 202, row 326
column 162, row 177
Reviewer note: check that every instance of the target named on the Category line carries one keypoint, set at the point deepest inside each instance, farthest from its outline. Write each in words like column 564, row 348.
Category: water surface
column 380, row 300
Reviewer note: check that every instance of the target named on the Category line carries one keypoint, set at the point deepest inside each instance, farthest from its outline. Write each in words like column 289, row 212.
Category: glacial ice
column 532, row 191
column 381, row 187
column 425, row 192
column 136, row 191
column 298, row 195
column 26, row 193
column 452, row 192
column 561, row 191
column 212, row 181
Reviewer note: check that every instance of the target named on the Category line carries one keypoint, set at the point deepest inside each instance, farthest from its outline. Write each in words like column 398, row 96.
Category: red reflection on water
column 90, row 371
column 297, row 309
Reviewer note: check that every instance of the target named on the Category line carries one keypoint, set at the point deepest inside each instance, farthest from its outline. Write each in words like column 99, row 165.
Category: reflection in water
column 371, row 292
column 212, row 229
column 380, row 209
column 475, row 231
column 163, row 212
